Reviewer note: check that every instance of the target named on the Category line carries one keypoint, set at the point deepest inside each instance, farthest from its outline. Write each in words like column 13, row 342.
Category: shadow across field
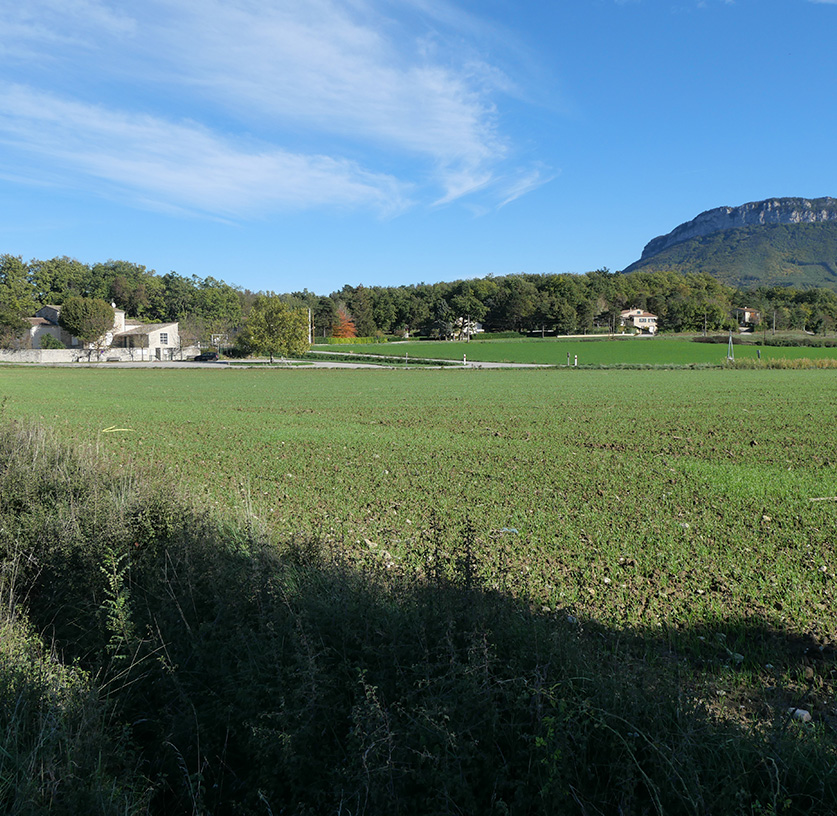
column 235, row 676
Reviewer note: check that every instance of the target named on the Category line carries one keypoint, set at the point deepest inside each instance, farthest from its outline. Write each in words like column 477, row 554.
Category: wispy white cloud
column 525, row 183
column 35, row 28
column 348, row 74
column 177, row 164
column 374, row 96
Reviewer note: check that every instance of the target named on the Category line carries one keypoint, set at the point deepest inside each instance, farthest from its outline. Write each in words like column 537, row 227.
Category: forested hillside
column 803, row 256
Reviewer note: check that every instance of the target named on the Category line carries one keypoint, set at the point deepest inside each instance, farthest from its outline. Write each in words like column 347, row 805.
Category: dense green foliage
column 802, row 256
column 446, row 592
column 275, row 329
column 48, row 341
column 554, row 304
column 16, row 294
column 16, row 300
column 89, row 319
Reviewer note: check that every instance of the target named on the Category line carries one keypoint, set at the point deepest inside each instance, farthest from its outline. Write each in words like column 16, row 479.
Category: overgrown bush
column 49, row 341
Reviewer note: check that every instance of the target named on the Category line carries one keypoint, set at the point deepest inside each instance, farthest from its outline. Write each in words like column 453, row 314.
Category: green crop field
column 430, row 591
column 593, row 352
column 702, row 481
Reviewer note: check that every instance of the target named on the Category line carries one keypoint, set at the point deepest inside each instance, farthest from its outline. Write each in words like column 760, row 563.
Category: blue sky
column 282, row 145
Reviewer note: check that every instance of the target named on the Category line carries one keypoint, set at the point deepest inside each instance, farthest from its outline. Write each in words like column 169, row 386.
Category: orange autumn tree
column 344, row 325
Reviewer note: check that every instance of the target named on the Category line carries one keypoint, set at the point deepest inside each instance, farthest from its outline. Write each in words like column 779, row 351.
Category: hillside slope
column 782, row 242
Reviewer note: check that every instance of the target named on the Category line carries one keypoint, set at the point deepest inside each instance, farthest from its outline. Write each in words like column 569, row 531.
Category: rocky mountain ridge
column 756, row 213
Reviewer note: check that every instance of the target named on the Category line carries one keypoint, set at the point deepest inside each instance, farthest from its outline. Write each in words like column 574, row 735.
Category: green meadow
column 695, row 476
column 592, row 352
column 533, row 591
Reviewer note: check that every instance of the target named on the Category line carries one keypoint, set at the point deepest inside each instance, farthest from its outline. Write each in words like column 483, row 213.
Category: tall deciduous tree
column 12, row 328
column 344, row 326
column 56, row 279
column 17, row 294
column 218, row 303
column 16, row 299
column 467, row 308
column 89, row 319
column 276, row 329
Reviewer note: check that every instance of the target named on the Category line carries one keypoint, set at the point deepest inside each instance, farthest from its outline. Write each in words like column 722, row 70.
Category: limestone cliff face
column 771, row 211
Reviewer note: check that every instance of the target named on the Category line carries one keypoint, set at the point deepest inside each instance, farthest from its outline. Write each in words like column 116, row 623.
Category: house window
column 164, row 338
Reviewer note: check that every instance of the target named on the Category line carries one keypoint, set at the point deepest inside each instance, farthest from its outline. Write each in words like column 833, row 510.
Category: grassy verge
column 596, row 351
column 266, row 363
column 376, row 359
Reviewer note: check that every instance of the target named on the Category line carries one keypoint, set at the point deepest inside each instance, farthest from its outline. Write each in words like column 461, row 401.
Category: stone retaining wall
column 78, row 355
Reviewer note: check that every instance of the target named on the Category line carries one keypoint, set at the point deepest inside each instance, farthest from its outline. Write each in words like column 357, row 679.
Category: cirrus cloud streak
column 179, row 164
column 346, row 102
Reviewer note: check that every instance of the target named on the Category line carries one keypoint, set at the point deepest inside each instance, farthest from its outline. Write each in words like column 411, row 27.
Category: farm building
column 159, row 340
column 639, row 319
column 153, row 341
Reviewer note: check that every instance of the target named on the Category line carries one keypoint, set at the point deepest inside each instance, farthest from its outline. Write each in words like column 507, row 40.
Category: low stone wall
column 38, row 356
column 82, row 356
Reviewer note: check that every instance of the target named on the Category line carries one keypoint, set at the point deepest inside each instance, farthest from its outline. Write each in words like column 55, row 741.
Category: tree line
column 562, row 304
column 525, row 303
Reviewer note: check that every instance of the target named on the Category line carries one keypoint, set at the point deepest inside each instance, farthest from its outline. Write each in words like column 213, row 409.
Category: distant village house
column 639, row 319
column 748, row 317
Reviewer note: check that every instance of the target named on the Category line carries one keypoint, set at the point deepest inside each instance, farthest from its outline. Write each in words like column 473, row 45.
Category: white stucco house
column 128, row 338
column 639, row 319
column 465, row 329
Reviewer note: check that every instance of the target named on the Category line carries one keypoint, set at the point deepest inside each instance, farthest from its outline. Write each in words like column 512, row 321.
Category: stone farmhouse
column 639, row 319
column 128, row 339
